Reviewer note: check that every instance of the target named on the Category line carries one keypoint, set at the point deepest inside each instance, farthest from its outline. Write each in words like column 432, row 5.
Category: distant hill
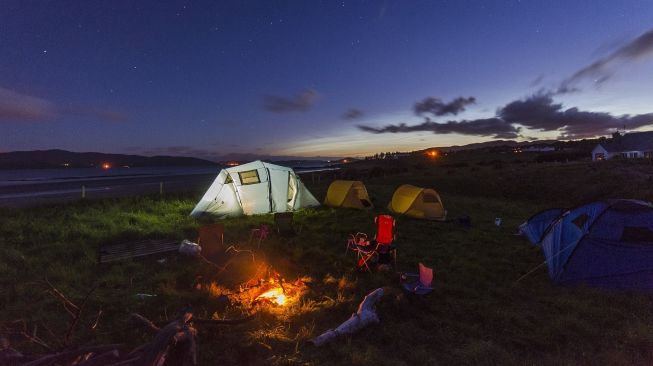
column 497, row 143
column 61, row 158
column 584, row 144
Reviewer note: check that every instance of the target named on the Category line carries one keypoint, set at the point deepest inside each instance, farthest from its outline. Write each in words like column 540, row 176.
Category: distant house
column 631, row 145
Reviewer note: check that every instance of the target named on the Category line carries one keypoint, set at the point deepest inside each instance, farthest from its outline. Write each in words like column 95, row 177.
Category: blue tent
column 604, row 243
column 535, row 227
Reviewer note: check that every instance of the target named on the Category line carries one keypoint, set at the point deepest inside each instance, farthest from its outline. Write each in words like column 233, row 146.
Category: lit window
column 249, row 177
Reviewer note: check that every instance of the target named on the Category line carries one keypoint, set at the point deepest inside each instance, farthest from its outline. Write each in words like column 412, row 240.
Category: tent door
column 292, row 192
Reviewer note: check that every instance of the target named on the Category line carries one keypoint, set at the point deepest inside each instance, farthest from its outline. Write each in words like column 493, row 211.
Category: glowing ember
column 275, row 295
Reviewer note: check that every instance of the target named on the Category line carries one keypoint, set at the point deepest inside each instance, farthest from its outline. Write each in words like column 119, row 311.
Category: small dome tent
column 421, row 203
column 604, row 243
column 254, row 188
column 347, row 193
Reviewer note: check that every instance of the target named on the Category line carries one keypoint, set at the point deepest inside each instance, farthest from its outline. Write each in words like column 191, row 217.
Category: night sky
column 308, row 78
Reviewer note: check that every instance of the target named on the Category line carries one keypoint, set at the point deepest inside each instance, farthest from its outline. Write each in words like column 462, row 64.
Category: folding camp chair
column 211, row 239
column 355, row 241
column 259, row 233
column 284, row 223
column 382, row 246
column 385, row 237
column 420, row 286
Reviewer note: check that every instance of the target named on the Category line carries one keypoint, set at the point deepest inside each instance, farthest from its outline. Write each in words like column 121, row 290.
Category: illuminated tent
column 604, row 243
column 421, row 203
column 347, row 193
column 254, row 188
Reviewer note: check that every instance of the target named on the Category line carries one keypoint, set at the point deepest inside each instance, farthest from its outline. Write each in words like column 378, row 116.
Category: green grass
column 478, row 314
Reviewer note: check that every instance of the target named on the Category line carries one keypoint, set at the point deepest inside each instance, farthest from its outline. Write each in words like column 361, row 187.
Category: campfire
column 269, row 290
column 275, row 295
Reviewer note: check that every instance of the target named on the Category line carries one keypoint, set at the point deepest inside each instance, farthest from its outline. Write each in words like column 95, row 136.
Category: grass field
column 478, row 313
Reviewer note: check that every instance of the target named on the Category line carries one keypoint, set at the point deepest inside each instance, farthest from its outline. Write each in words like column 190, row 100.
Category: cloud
column 494, row 127
column 537, row 81
column 603, row 69
column 437, row 107
column 16, row 107
column 302, row 102
column 352, row 113
column 539, row 112
column 19, row 107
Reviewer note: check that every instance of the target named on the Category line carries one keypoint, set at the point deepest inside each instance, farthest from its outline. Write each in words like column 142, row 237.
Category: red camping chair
column 384, row 243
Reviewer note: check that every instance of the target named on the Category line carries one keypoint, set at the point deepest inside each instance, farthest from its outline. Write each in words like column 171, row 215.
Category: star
column 45, row 52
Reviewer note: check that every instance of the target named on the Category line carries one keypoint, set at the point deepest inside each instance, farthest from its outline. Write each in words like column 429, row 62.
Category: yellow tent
column 347, row 193
column 422, row 203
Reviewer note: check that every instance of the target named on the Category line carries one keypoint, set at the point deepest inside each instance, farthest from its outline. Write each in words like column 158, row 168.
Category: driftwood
column 178, row 334
column 359, row 320
column 71, row 354
column 174, row 343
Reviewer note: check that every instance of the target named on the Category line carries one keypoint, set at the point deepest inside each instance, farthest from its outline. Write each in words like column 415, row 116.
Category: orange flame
column 275, row 295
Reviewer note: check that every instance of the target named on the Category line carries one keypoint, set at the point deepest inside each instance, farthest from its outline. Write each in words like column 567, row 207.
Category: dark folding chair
column 383, row 245
column 211, row 239
column 284, row 223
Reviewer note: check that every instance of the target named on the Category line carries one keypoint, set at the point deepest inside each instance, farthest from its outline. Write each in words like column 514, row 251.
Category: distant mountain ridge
column 38, row 159
column 495, row 143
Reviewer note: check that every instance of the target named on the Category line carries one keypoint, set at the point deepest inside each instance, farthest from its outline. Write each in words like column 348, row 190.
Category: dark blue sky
column 215, row 78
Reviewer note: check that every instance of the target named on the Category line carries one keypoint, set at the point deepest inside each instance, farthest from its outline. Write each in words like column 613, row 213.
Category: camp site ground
column 479, row 313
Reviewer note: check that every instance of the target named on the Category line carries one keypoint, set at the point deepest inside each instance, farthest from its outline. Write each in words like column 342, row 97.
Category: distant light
column 106, row 166
column 432, row 154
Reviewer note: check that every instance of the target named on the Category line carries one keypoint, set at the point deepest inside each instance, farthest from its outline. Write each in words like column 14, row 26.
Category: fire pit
column 270, row 291
column 275, row 295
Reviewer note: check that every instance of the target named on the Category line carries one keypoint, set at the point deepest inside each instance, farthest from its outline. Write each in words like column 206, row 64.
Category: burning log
column 359, row 320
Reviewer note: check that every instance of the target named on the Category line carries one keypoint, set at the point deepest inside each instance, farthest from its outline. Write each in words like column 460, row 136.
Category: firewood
column 69, row 354
column 359, row 320
column 145, row 321
column 101, row 359
column 158, row 349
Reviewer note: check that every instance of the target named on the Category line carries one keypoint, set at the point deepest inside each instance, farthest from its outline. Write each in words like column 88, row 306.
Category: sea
column 21, row 187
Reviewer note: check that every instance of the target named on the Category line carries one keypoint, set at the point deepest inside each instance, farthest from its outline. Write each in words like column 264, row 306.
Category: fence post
column 160, row 188
column 83, row 191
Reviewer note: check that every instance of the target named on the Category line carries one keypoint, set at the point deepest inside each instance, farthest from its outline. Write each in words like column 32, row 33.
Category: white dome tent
column 254, row 188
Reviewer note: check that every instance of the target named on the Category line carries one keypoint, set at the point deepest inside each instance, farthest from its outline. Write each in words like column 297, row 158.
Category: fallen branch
column 67, row 355
column 78, row 314
column 67, row 304
column 359, row 320
column 97, row 320
column 145, row 321
column 101, row 359
column 158, row 349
